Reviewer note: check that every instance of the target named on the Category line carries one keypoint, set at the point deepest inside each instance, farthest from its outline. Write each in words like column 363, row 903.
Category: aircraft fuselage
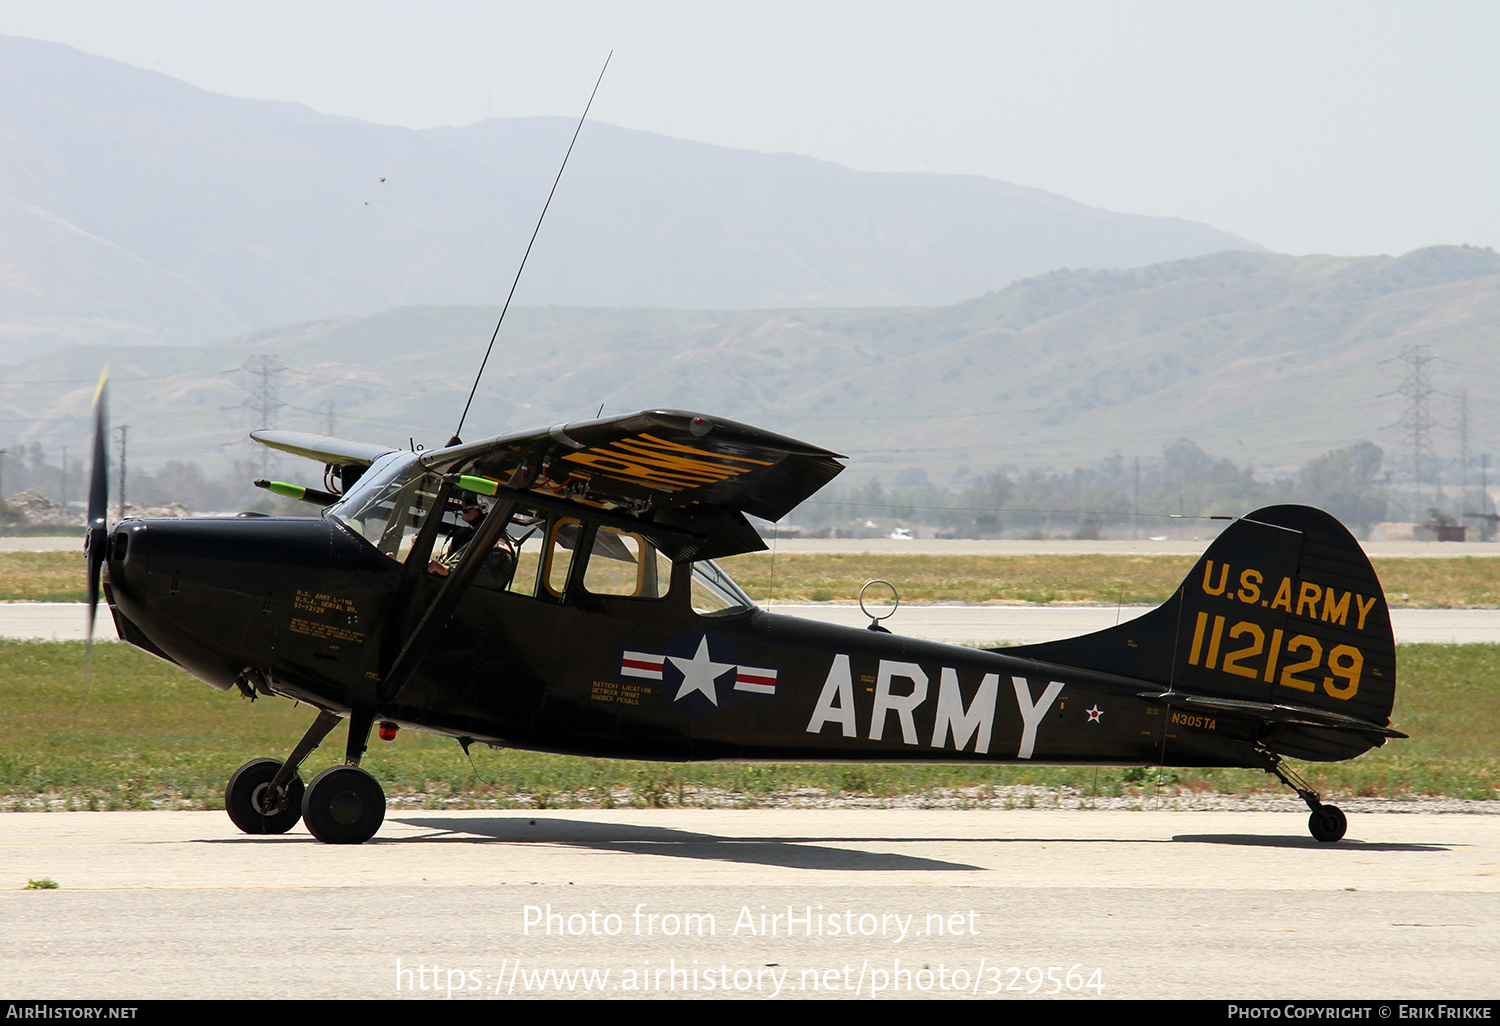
column 304, row 608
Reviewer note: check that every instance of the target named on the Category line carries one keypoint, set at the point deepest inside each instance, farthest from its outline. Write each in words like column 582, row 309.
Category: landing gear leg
column 265, row 795
column 1326, row 822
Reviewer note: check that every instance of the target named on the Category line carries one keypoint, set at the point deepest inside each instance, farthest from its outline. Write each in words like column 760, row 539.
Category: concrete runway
column 959, row 625
column 1155, row 904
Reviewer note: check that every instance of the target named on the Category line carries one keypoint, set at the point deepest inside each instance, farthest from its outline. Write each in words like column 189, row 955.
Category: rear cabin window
column 715, row 593
column 626, row 564
column 621, row 563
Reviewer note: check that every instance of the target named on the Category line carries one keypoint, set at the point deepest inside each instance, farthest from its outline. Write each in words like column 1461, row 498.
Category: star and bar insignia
column 700, row 671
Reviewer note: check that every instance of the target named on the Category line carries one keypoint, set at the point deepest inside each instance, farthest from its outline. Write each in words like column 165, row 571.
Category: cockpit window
column 387, row 503
column 394, row 498
column 390, row 502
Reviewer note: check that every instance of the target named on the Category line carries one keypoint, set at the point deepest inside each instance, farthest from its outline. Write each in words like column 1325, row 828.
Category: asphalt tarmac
column 1005, row 905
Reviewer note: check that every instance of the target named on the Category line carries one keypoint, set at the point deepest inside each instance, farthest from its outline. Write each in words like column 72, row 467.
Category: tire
column 1327, row 823
column 248, row 801
column 343, row 805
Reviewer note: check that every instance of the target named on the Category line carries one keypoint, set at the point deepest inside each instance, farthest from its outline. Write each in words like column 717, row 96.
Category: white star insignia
column 1094, row 713
column 699, row 673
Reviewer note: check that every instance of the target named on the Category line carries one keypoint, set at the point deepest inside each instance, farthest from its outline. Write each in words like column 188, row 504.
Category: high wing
column 684, row 477
column 336, row 452
column 680, row 471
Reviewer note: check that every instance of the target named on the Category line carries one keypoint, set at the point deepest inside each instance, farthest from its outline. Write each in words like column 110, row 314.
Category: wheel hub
column 346, row 807
column 268, row 800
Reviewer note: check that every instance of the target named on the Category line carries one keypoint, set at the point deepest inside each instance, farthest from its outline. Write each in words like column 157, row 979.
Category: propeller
column 98, row 527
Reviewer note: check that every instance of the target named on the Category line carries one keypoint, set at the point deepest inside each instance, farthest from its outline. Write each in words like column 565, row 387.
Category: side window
column 410, row 505
column 528, row 562
column 626, row 564
column 715, row 593
column 562, row 540
column 621, row 563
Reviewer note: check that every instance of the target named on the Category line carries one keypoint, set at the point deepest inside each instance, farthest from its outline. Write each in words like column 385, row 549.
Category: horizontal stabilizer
column 1284, row 713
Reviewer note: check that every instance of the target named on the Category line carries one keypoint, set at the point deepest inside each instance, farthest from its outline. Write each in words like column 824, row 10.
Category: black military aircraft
column 556, row 591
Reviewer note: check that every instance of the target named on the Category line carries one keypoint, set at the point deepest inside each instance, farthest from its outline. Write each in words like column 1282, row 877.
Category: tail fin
column 1283, row 612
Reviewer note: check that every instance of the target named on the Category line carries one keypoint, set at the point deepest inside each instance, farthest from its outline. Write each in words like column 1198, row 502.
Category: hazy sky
column 1342, row 127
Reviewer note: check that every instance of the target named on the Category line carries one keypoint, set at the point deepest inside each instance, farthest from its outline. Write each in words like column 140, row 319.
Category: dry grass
column 42, row 576
column 838, row 578
column 1428, row 583
column 139, row 733
column 1457, row 582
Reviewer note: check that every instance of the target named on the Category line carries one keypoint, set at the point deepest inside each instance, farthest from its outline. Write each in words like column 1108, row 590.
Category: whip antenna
column 455, row 439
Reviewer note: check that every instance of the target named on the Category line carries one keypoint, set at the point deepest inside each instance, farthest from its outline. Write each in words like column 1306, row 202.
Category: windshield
column 370, row 508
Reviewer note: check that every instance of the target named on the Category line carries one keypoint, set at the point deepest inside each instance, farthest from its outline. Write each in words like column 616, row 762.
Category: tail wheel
column 343, row 805
column 1327, row 823
column 255, row 806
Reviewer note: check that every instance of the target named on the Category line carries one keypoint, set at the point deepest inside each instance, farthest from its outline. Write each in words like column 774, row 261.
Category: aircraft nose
column 125, row 557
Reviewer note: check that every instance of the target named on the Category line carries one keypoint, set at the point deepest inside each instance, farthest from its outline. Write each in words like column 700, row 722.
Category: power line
column 264, row 402
column 1416, row 420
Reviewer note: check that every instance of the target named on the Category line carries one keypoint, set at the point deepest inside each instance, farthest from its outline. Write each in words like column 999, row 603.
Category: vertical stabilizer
column 1283, row 609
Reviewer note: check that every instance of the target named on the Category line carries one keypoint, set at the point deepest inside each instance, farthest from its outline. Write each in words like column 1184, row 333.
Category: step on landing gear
column 1326, row 823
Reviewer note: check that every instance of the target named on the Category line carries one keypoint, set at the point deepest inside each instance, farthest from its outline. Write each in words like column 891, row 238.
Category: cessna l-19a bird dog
column 581, row 612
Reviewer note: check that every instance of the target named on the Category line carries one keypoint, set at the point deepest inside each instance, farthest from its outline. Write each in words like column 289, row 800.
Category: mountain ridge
column 1265, row 358
column 138, row 207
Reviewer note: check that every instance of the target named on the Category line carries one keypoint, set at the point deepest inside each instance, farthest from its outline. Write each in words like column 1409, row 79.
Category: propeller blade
column 98, row 525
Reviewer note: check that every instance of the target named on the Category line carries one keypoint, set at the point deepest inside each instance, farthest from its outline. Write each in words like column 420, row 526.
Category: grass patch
column 42, row 576
column 141, row 734
column 838, row 577
column 1465, row 581
column 1105, row 580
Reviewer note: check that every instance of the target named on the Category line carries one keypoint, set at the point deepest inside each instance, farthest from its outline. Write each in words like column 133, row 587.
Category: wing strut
column 454, row 586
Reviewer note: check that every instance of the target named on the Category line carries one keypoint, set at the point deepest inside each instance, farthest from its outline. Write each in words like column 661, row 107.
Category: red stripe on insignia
column 641, row 664
column 754, row 678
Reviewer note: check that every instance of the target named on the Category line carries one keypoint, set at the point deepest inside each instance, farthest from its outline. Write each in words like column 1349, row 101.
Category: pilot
column 498, row 566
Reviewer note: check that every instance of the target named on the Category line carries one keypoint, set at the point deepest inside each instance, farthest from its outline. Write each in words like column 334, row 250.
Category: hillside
column 1260, row 358
column 136, row 208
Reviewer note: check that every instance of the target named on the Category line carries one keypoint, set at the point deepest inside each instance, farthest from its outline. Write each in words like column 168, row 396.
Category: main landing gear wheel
column 1327, row 823
column 257, row 808
column 343, row 805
